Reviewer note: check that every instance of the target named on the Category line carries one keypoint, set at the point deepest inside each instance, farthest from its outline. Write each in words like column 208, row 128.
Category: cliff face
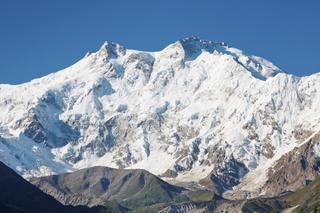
column 295, row 169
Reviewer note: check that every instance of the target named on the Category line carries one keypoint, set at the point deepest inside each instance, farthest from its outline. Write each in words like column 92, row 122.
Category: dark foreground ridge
column 19, row 196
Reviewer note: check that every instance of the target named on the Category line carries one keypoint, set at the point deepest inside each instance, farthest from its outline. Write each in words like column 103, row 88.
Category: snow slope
column 192, row 109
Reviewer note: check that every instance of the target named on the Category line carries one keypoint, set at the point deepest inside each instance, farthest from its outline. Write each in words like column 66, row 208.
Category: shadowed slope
column 18, row 195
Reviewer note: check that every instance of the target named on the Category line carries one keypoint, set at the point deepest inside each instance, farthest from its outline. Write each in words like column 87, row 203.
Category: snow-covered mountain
column 196, row 111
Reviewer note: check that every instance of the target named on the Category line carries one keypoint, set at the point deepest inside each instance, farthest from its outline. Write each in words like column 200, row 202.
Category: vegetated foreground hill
column 140, row 191
column 98, row 185
column 132, row 190
column 197, row 113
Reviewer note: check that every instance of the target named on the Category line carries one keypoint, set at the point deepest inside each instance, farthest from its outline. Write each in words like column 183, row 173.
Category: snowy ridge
column 195, row 107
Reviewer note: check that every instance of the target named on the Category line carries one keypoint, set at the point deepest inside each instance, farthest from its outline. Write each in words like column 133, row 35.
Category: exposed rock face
column 193, row 110
column 295, row 169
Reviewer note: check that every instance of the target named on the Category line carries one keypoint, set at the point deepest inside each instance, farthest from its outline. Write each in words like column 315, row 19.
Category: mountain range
column 201, row 115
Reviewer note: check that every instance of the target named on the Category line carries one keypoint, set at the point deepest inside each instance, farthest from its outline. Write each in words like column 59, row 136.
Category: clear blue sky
column 38, row 37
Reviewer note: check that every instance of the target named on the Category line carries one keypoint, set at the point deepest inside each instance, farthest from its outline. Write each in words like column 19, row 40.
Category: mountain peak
column 194, row 45
column 188, row 49
column 196, row 41
column 111, row 50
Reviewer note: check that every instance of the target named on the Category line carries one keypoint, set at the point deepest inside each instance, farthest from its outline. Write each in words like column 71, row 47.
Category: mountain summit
column 197, row 112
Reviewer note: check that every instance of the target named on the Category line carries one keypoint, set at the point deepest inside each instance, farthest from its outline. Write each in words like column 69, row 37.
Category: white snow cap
column 191, row 47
